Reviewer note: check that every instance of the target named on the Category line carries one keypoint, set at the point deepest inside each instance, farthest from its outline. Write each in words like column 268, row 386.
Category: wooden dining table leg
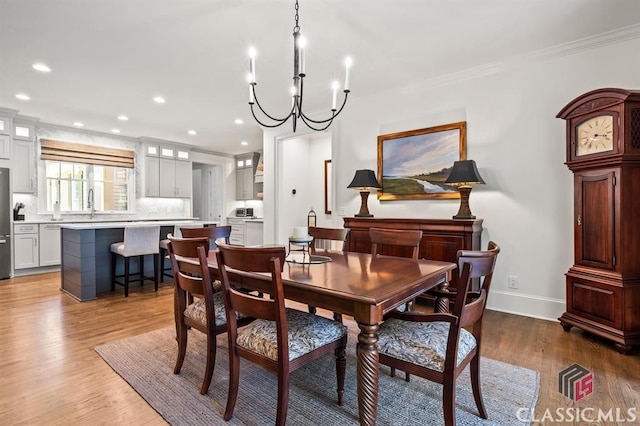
column 368, row 373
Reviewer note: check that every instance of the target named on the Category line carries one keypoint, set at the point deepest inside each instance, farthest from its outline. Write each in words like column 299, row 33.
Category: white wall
column 517, row 143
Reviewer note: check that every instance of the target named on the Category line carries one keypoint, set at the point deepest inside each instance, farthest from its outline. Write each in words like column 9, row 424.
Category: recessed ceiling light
column 41, row 67
column 238, row 121
column 192, row 132
column 159, row 100
column 78, row 124
column 123, row 118
column 115, row 130
column 23, row 97
column 244, row 143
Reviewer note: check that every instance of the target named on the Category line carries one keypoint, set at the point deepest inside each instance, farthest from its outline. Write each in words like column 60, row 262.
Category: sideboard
column 441, row 238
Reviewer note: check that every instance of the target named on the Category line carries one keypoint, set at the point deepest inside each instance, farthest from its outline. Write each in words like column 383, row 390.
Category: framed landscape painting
column 414, row 164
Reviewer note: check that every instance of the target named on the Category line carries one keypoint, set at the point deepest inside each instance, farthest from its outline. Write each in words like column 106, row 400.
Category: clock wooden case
column 603, row 152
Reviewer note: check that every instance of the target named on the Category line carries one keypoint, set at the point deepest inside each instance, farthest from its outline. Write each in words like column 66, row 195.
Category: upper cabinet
column 167, row 171
column 5, row 146
column 24, row 128
column 6, row 130
column 246, row 166
column 24, row 172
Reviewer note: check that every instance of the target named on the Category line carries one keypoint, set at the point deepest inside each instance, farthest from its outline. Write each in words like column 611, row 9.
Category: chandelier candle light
column 297, row 89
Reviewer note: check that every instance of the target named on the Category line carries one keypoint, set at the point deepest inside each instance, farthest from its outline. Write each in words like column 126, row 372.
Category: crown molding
column 587, row 43
column 8, row 112
column 204, row 151
column 85, row 131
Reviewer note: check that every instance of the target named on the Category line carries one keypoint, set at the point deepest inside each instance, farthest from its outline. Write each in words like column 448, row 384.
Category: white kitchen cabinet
column 175, row 178
column 237, row 231
column 5, row 126
column 167, row 171
column 245, row 170
column 5, row 146
column 183, row 178
column 24, row 158
column 49, row 244
column 244, row 184
column 25, row 246
column 152, row 176
column 253, row 235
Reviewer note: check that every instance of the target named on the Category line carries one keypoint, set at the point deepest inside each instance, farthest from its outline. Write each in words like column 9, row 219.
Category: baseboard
column 34, row 271
column 526, row 304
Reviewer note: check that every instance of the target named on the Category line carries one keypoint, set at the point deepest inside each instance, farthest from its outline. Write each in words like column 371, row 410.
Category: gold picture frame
column 327, row 187
column 414, row 164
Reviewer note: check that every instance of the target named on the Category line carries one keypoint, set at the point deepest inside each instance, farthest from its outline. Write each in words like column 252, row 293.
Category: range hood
column 259, row 176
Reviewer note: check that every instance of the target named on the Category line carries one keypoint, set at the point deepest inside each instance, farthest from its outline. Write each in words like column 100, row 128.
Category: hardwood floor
column 50, row 374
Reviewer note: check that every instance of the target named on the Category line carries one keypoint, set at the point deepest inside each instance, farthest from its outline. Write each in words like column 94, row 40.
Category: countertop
column 247, row 219
column 108, row 225
column 98, row 220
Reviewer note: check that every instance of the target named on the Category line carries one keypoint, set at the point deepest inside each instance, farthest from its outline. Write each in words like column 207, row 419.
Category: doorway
column 300, row 182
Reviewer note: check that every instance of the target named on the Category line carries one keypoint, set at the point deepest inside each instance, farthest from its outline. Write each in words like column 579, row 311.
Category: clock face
column 595, row 135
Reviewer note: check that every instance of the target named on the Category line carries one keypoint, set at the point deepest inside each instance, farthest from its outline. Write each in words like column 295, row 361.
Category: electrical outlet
column 513, row 281
column 341, row 212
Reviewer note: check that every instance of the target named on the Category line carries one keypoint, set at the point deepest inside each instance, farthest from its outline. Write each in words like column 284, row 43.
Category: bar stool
column 177, row 233
column 138, row 241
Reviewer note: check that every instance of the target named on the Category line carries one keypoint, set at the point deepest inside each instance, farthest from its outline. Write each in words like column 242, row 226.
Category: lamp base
column 364, row 209
column 461, row 216
column 464, row 212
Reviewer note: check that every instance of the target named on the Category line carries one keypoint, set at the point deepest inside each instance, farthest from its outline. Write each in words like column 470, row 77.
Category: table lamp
column 463, row 175
column 364, row 181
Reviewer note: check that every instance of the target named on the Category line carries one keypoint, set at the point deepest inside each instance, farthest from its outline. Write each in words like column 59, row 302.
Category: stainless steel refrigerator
column 5, row 224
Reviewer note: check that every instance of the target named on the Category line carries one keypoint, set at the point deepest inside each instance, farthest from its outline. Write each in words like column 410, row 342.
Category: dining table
column 356, row 284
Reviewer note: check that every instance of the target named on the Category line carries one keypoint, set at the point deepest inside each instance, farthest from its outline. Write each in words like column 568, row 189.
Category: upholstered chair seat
column 197, row 311
column 306, row 333
column 139, row 241
column 421, row 343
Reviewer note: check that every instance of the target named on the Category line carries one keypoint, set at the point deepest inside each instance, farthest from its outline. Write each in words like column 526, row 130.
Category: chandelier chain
column 296, row 28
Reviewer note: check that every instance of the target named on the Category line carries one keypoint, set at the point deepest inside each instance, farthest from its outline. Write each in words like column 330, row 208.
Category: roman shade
column 88, row 154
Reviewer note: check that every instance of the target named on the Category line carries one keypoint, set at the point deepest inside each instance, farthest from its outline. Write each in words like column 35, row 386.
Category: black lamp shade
column 364, row 180
column 464, row 173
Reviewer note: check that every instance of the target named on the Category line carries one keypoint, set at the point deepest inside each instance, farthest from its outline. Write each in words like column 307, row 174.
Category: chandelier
column 297, row 90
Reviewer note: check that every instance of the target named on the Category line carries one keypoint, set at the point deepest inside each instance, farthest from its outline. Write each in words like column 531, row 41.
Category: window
column 69, row 184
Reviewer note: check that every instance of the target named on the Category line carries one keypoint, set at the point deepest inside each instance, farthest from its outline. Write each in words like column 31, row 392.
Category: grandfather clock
column 603, row 152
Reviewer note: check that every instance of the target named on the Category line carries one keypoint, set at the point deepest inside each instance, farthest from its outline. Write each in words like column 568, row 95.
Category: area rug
column 146, row 363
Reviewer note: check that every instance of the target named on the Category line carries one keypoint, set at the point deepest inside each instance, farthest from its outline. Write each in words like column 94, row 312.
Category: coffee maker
column 18, row 211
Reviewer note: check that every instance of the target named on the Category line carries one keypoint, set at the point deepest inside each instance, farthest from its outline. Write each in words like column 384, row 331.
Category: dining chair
column 323, row 239
column 139, row 241
column 438, row 347
column 214, row 233
column 177, row 232
column 196, row 306
column 280, row 339
column 396, row 242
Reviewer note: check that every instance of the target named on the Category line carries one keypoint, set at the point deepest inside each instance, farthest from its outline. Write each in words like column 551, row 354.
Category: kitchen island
column 86, row 254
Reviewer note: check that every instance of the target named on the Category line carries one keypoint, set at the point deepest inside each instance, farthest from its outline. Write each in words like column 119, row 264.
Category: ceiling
column 111, row 57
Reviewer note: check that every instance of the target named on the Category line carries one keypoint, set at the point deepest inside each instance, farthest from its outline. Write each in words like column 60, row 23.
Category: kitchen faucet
column 90, row 203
